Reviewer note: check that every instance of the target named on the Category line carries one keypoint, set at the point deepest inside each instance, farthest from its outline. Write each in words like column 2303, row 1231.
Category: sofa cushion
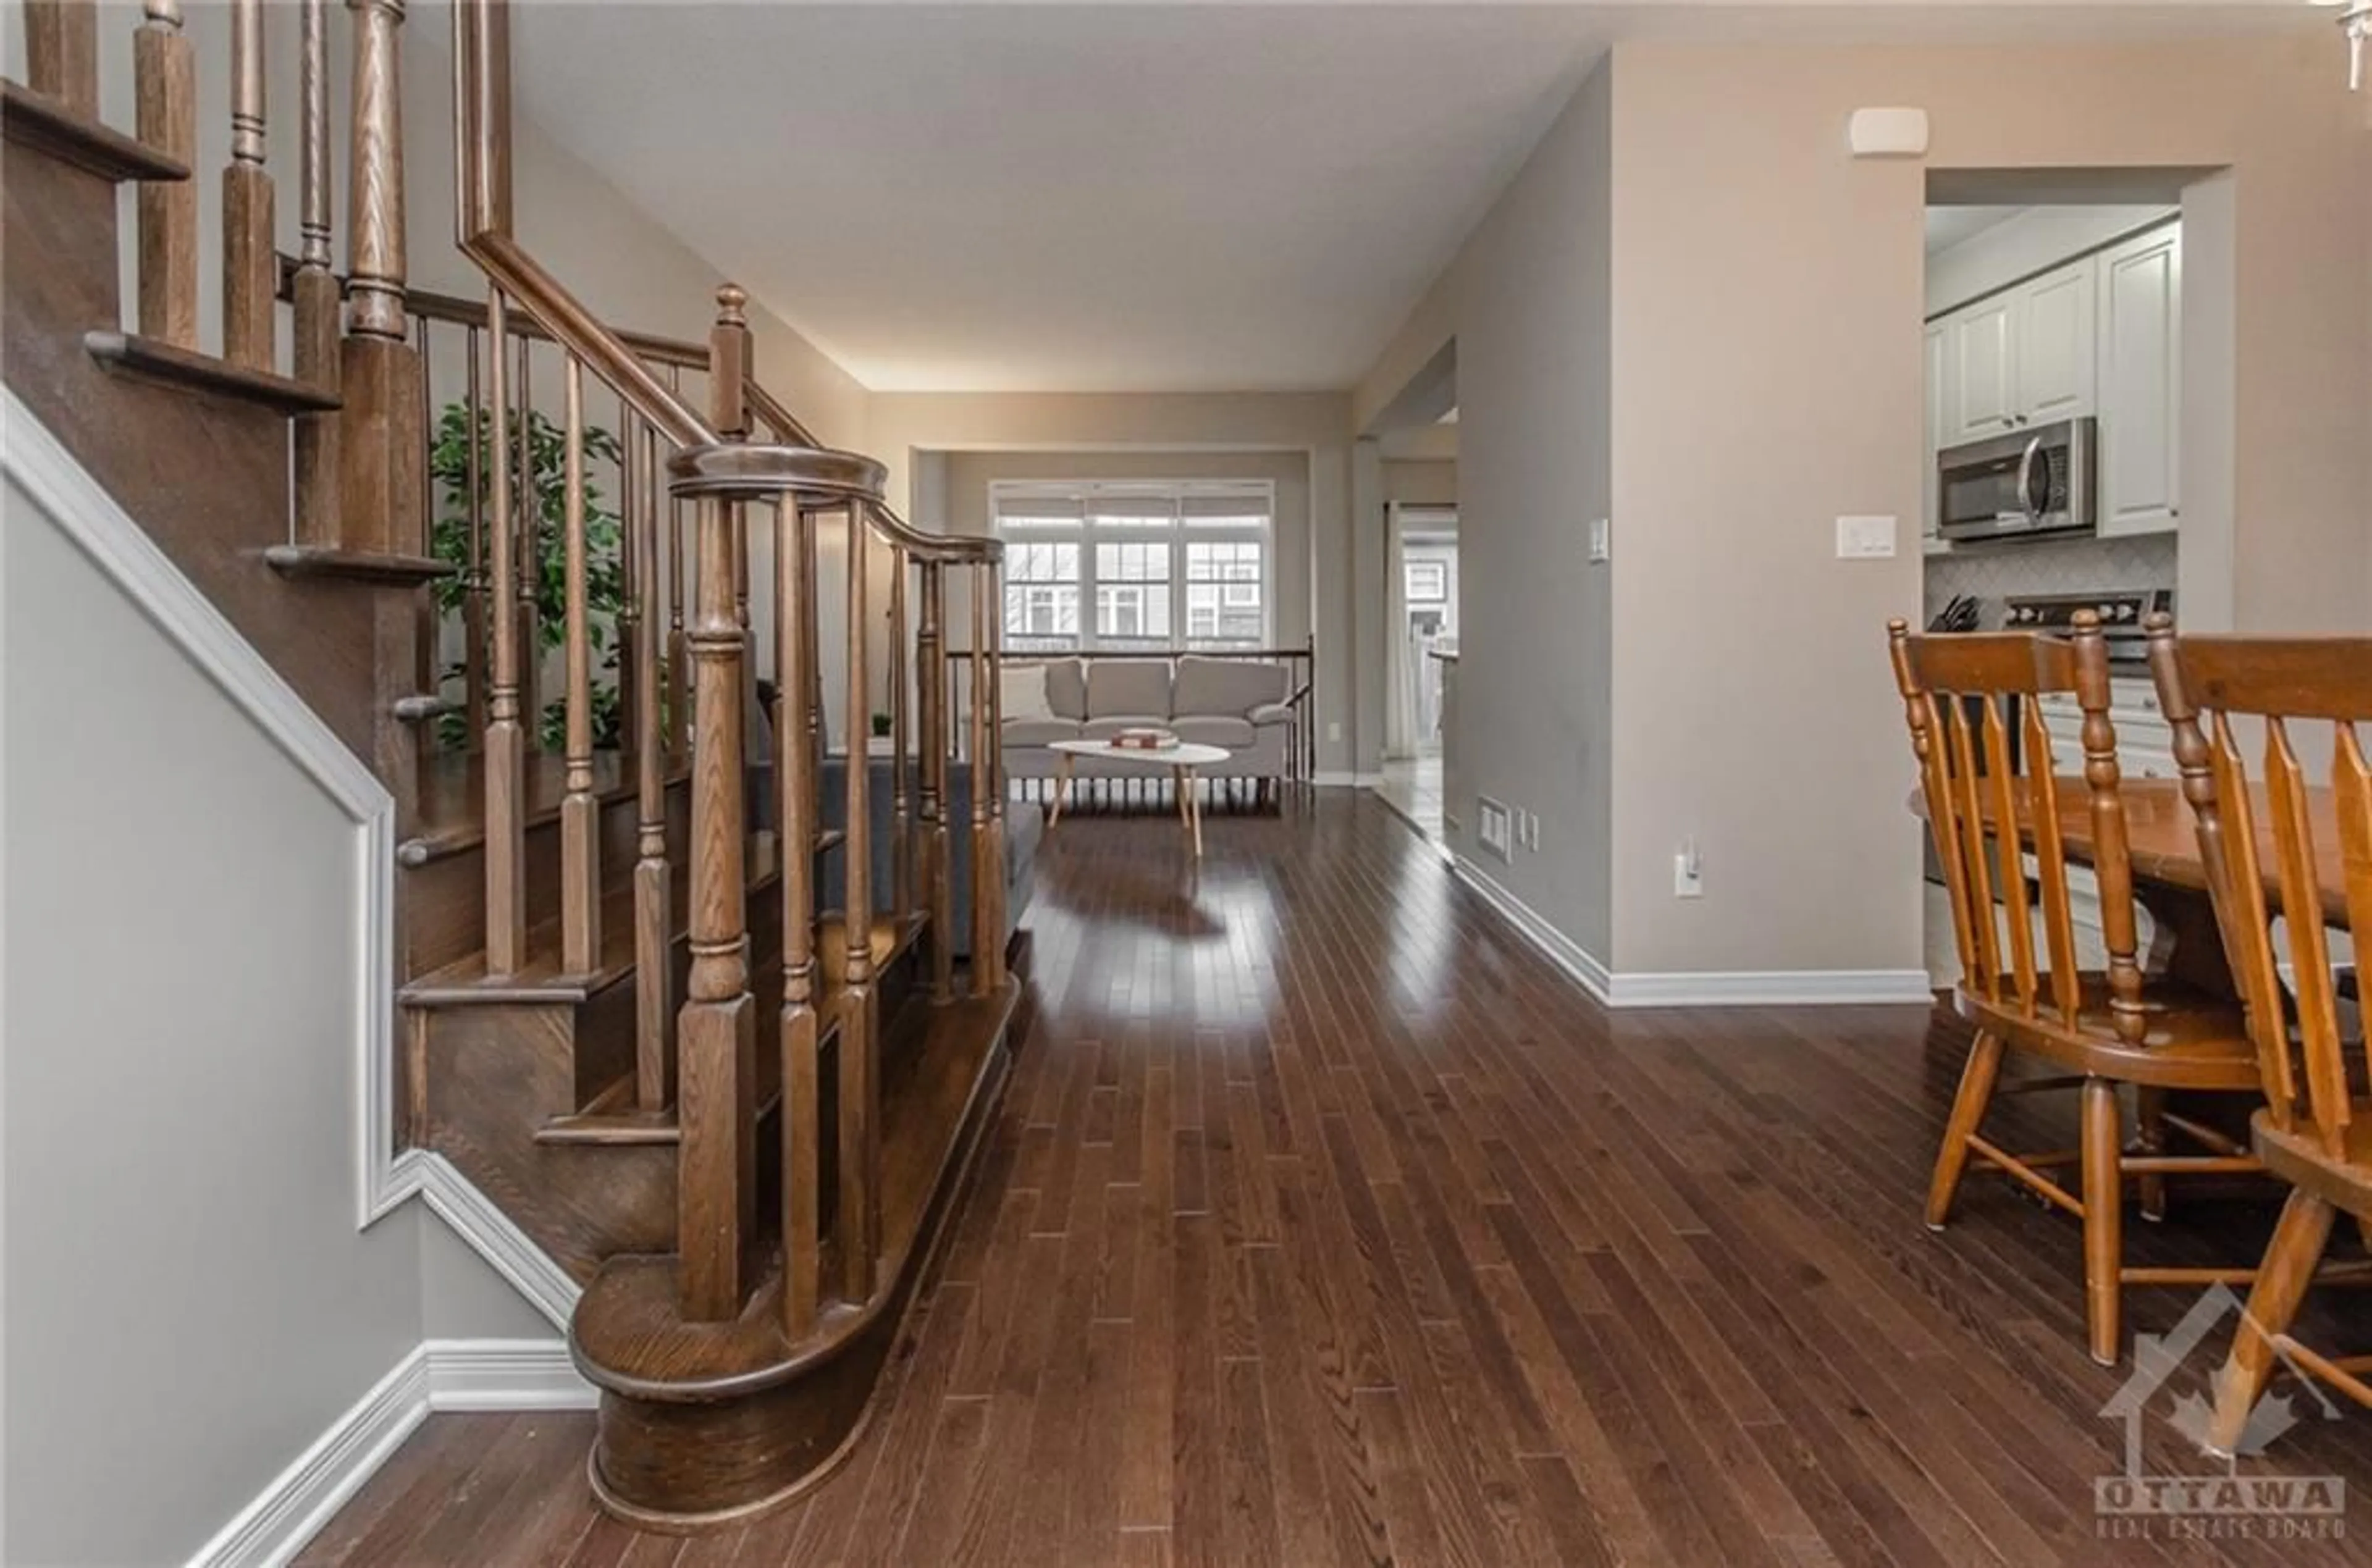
column 1040, row 732
column 1214, row 729
column 1021, row 691
column 1138, row 686
column 1226, row 686
column 1066, row 687
column 1105, row 728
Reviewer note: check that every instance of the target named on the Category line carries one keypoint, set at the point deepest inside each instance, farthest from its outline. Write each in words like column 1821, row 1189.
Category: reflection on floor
column 1413, row 788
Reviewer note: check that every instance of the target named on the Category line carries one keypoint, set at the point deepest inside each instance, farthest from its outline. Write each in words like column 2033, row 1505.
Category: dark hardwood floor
column 1325, row 1224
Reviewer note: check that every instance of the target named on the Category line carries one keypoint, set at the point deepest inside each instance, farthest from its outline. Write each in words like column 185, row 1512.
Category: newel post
column 717, row 1050
column 380, row 432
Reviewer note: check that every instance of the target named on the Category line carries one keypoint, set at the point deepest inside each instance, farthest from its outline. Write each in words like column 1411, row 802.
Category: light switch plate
column 1864, row 539
column 1602, row 538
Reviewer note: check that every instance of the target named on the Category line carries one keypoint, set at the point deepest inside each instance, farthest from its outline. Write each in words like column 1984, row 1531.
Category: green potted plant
column 881, row 726
column 605, row 595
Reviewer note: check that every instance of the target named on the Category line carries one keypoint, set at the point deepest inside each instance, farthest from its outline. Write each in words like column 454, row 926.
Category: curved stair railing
column 823, row 1285
column 734, row 1115
column 833, row 1277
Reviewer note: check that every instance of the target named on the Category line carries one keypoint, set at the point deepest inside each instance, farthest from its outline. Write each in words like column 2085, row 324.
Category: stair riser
column 494, row 1074
column 445, row 900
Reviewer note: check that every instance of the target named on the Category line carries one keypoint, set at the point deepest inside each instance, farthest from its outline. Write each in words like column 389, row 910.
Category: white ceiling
column 1117, row 197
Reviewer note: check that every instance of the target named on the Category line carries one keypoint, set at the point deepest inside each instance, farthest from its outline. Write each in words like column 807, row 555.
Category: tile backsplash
column 2057, row 566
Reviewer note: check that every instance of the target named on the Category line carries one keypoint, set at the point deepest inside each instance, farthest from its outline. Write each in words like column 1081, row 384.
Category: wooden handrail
column 678, row 353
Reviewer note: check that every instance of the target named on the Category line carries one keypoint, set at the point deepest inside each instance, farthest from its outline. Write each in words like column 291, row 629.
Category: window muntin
column 1108, row 566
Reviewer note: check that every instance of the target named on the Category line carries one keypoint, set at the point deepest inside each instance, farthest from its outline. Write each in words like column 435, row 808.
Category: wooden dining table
column 2170, row 873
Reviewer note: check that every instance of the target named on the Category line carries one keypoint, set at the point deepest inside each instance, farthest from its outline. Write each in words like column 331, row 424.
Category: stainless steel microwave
column 2036, row 483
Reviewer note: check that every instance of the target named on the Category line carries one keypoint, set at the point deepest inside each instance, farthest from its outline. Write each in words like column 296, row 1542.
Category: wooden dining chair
column 2314, row 1132
column 2102, row 1028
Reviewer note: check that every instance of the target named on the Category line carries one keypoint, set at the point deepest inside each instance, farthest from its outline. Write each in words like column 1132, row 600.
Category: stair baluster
column 988, row 868
column 901, row 848
column 632, row 480
column 165, row 88
column 62, row 53
column 986, row 938
column 860, row 1079
column 654, row 978
column 313, row 291
column 679, row 666
column 937, row 866
column 382, row 444
column 506, row 753
column 716, row 1033
column 250, row 268
column 802, row 1134
column 473, row 588
column 580, row 812
column 529, row 545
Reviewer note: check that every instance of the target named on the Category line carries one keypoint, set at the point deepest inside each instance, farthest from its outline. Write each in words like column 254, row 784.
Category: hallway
column 1411, row 786
column 1325, row 1224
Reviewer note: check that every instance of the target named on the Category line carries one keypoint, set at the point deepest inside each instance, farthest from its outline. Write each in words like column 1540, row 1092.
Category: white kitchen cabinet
column 2050, row 318
column 1981, row 369
column 1939, row 431
column 2140, row 380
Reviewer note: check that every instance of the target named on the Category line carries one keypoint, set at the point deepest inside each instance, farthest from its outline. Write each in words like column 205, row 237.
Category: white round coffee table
column 1181, row 759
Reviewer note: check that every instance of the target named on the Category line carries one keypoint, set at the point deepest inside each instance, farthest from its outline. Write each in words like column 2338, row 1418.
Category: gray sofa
column 1235, row 704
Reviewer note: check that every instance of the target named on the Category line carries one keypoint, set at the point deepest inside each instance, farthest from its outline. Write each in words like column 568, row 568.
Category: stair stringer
column 34, row 458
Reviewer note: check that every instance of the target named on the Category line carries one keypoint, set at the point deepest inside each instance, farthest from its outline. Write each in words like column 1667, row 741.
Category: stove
column 2122, row 613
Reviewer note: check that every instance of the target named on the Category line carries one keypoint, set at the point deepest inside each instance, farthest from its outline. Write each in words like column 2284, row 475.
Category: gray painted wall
column 1527, row 303
column 190, row 1305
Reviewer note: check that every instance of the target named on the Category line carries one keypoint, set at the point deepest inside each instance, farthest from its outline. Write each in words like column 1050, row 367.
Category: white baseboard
column 438, row 1375
column 1773, row 988
column 1708, row 988
column 1337, row 779
column 506, row 1374
column 1554, row 946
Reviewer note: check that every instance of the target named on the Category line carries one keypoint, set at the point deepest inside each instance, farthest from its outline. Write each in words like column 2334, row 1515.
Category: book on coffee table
column 1144, row 737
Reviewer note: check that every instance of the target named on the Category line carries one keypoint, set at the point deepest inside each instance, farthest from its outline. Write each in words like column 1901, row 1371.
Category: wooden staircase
column 736, row 1117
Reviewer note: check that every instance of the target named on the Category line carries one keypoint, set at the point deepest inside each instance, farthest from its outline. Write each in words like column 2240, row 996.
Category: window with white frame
column 1115, row 566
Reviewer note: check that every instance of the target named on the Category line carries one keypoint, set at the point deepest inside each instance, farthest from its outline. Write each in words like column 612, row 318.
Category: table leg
column 1062, row 791
column 1194, row 811
column 1185, row 818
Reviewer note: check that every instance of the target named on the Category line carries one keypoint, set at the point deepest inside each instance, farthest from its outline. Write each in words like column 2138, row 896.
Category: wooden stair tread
column 464, row 981
column 453, row 791
column 936, row 1063
column 355, row 566
column 453, row 794
column 890, row 942
column 128, row 353
column 40, row 122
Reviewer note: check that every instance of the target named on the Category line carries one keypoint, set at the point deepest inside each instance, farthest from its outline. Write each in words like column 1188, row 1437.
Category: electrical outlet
column 1494, row 827
column 1602, row 538
column 1688, row 872
column 1334, row 729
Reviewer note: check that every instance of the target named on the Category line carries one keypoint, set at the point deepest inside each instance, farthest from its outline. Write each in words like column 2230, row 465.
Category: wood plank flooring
column 1325, row 1224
